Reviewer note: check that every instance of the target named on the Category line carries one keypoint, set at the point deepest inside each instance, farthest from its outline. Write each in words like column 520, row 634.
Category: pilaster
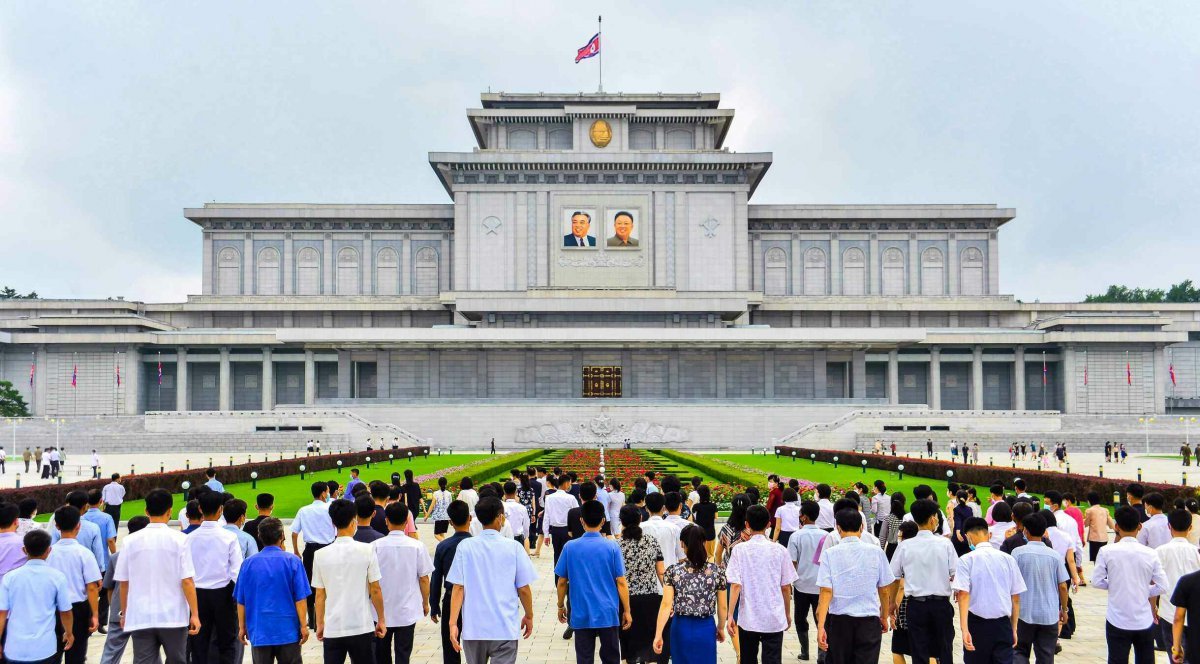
column 181, row 380
column 820, row 358
column 224, row 393
column 268, row 380
column 935, row 378
column 383, row 374
column 893, row 377
column 310, row 379
column 1019, row 378
column 345, row 376
column 977, row 378
column 858, row 374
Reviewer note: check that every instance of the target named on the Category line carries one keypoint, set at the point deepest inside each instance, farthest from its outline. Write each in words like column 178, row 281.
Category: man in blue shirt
column 83, row 581
column 212, row 482
column 443, row 560
column 352, row 483
column 29, row 597
column 1043, row 607
column 108, row 532
column 89, row 533
column 271, row 595
column 592, row 571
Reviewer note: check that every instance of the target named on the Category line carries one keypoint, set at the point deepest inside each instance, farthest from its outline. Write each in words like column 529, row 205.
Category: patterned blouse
column 526, row 497
column 695, row 592
column 641, row 570
column 441, row 501
column 729, row 538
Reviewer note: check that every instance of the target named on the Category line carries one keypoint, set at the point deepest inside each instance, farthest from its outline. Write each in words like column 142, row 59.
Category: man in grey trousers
column 114, row 645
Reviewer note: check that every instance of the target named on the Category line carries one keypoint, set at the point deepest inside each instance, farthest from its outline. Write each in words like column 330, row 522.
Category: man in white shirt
column 346, row 581
column 83, row 582
column 802, row 549
column 1178, row 557
column 1155, row 531
column 313, row 524
column 95, row 465
column 881, row 504
column 760, row 574
column 855, row 581
column 926, row 563
column 158, row 595
column 554, row 518
column 1002, row 522
column 517, row 516
column 404, row 568
column 673, row 503
column 216, row 558
column 825, row 520
column 492, row 578
column 113, row 495
column 666, row 534
column 1132, row 574
column 989, row 601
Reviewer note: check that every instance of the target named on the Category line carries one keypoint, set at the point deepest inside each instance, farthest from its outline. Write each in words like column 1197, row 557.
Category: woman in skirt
column 437, row 510
column 693, row 591
column 643, row 559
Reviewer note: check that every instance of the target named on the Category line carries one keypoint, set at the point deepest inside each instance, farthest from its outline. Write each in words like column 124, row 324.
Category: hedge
column 484, row 470
column 52, row 496
column 1037, row 481
column 714, row 468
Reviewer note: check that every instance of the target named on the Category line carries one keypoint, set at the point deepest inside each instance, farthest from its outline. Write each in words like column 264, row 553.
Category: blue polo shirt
column 108, row 530
column 269, row 585
column 591, row 565
column 33, row 595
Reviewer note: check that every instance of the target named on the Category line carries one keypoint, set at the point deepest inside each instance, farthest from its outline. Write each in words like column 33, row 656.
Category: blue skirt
column 693, row 640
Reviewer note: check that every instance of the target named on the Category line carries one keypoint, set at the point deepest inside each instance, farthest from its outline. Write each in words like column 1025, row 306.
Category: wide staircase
column 648, row 459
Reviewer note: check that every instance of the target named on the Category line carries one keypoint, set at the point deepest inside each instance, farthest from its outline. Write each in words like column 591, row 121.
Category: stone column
column 181, row 380
column 345, row 375
column 131, row 374
column 893, row 376
column 769, row 374
column 224, row 384
column 383, row 374
column 873, row 271
column 268, row 380
column 977, row 378
column 327, row 265
column 248, row 266
column 952, row 285
column 935, row 378
column 1019, row 378
column 310, row 379
column 1068, row 379
column 858, row 374
column 1160, row 379
column 835, row 266
column 367, row 269
column 914, row 266
column 819, row 377
column 286, row 263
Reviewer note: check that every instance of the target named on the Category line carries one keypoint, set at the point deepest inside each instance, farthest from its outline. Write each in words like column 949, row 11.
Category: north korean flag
column 591, row 49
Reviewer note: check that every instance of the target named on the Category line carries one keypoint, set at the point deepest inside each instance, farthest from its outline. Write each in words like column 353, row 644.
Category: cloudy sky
column 115, row 116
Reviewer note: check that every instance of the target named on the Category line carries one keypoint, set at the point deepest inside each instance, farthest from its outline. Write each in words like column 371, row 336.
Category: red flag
column 1128, row 373
column 118, row 367
column 32, row 370
column 1045, row 374
column 1085, row 374
column 74, row 375
column 1173, row 375
column 589, row 50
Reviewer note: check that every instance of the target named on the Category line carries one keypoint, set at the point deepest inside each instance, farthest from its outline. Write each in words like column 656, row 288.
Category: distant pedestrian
column 113, row 495
column 26, row 456
column 493, row 446
column 95, row 465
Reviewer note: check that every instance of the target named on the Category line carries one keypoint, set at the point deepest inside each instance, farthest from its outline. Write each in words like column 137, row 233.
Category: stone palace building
column 600, row 274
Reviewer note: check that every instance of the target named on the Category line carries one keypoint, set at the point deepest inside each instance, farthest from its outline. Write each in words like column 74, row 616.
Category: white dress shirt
column 403, row 562
column 557, row 505
column 787, row 517
column 216, row 556
column 470, row 497
column 992, row 578
column 802, row 548
column 77, row 564
column 825, row 518
column 1070, row 528
column 476, row 528
column 927, row 564
column 761, row 567
column 997, row 531
column 313, row 523
column 854, row 573
column 833, row 539
column 155, row 561
column 1155, row 532
column 881, row 504
column 1132, row 574
column 491, row 569
column 345, row 569
column 516, row 517
column 667, row 536
column 1178, row 557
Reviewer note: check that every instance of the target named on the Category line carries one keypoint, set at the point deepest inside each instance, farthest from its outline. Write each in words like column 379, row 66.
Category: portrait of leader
column 623, row 233
column 579, row 223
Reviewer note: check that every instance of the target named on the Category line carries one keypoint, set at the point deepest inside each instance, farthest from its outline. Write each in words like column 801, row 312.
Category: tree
column 12, row 404
column 1183, row 291
column 9, row 293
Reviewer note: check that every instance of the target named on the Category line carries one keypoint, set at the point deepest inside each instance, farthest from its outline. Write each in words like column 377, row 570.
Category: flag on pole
column 1128, row 373
column 118, row 368
column 1085, row 374
column 590, row 50
column 1045, row 372
column 160, row 372
column 75, row 376
column 32, row 371
column 1172, row 372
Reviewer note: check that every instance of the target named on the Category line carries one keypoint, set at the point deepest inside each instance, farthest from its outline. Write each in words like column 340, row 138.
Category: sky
column 115, row 116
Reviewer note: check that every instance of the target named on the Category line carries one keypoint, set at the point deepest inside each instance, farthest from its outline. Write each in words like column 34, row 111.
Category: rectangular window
column 602, row 382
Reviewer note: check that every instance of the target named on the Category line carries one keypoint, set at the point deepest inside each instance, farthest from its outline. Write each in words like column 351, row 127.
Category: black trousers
column 1120, row 641
column 285, row 654
column 1094, row 548
column 397, row 639
column 784, row 536
column 559, row 536
column 610, row 645
column 802, row 605
column 770, row 642
column 449, row 656
column 115, row 512
column 853, row 640
column 218, row 626
column 311, row 550
column 1040, row 639
column 931, row 628
column 360, row 648
column 1068, row 629
column 81, row 613
column 993, row 638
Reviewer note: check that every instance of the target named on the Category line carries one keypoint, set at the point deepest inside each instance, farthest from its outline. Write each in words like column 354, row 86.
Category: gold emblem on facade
column 600, row 133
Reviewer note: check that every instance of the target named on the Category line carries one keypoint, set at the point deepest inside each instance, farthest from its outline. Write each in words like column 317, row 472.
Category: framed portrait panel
column 580, row 228
column 622, row 228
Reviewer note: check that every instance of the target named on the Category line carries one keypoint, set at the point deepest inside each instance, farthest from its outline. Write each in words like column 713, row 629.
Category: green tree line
column 1183, row 291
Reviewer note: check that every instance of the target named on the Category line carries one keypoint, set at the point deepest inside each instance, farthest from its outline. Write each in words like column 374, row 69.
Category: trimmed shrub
column 715, row 468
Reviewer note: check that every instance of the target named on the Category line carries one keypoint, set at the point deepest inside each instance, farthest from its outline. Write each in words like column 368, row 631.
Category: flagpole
column 74, row 384
column 1128, row 385
column 600, row 31
column 1045, row 380
column 159, row 369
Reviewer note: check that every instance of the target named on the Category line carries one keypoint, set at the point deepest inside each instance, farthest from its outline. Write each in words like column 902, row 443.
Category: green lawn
column 291, row 493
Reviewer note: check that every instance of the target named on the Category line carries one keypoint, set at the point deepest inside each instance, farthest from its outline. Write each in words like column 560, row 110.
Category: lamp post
column 812, row 459
column 864, row 465
column 254, row 479
column 901, row 469
column 185, row 486
column 339, row 465
column 1146, row 422
column 302, row 469
column 410, row 457
column 368, row 463
column 1187, row 431
column 793, row 456
column 835, row 462
column 391, row 459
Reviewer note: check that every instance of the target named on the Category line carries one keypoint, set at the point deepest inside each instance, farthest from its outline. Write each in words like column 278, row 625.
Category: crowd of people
column 644, row 575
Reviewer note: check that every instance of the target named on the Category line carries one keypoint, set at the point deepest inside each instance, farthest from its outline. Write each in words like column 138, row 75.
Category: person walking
column 312, row 523
column 264, row 504
column 926, row 563
column 443, row 559
column 113, row 495
column 591, row 571
column 1132, row 574
column 30, row 598
column 437, row 510
column 493, row 447
column 1179, row 558
column 405, row 567
column 217, row 559
column 1043, row 604
column 95, row 465
column 693, row 593
column 116, row 639
column 492, row 576
column 759, row 574
column 26, row 456
column 989, row 586
column 79, row 567
column 802, row 550
column 12, row 554
column 1098, row 522
column 271, row 594
column 158, row 595
column 345, row 581
column 787, row 517
column 90, row 535
column 855, row 580
column 643, row 570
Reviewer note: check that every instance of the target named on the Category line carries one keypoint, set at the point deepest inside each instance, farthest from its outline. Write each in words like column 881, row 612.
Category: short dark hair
column 1127, row 519
column 364, row 507
column 1020, row 510
column 234, row 510
column 1136, row 490
column 923, row 510
column 158, row 502
column 996, row 489
column 264, row 501
column 66, row 519
column 1034, row 525
column 343, row 513
column 94, row 497
column 210, row 472
column 510, row 487
column 593, row 514
column 115, row 477
column 824, row 491
column 655, row 502
column 459, row 512
column 845, row 504
column 848, row 520
column 9, row 513
column 28, row 507
column 37, row 543
column 908, row 529
column 757, row 518
column 1019, row 484
column 1001, row 512
column 333, row 486
column 354, row 472
column 810, row 510
column 379, row 489
column 975, row 524
column 396, row 513
column 672, row 501
column 1053, row 497
column 587, row 491
column 211, row 503
column 77, row 499
column 1180, row 520
column 138, row 522
column 318, row 489
column 1093, row 497
column 790, row 495
column 270, row 531
column 1155, row 500
column 922, row 492
column 487, row 510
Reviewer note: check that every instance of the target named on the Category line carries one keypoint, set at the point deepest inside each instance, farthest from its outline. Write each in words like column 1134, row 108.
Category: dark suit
column 569, row 240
